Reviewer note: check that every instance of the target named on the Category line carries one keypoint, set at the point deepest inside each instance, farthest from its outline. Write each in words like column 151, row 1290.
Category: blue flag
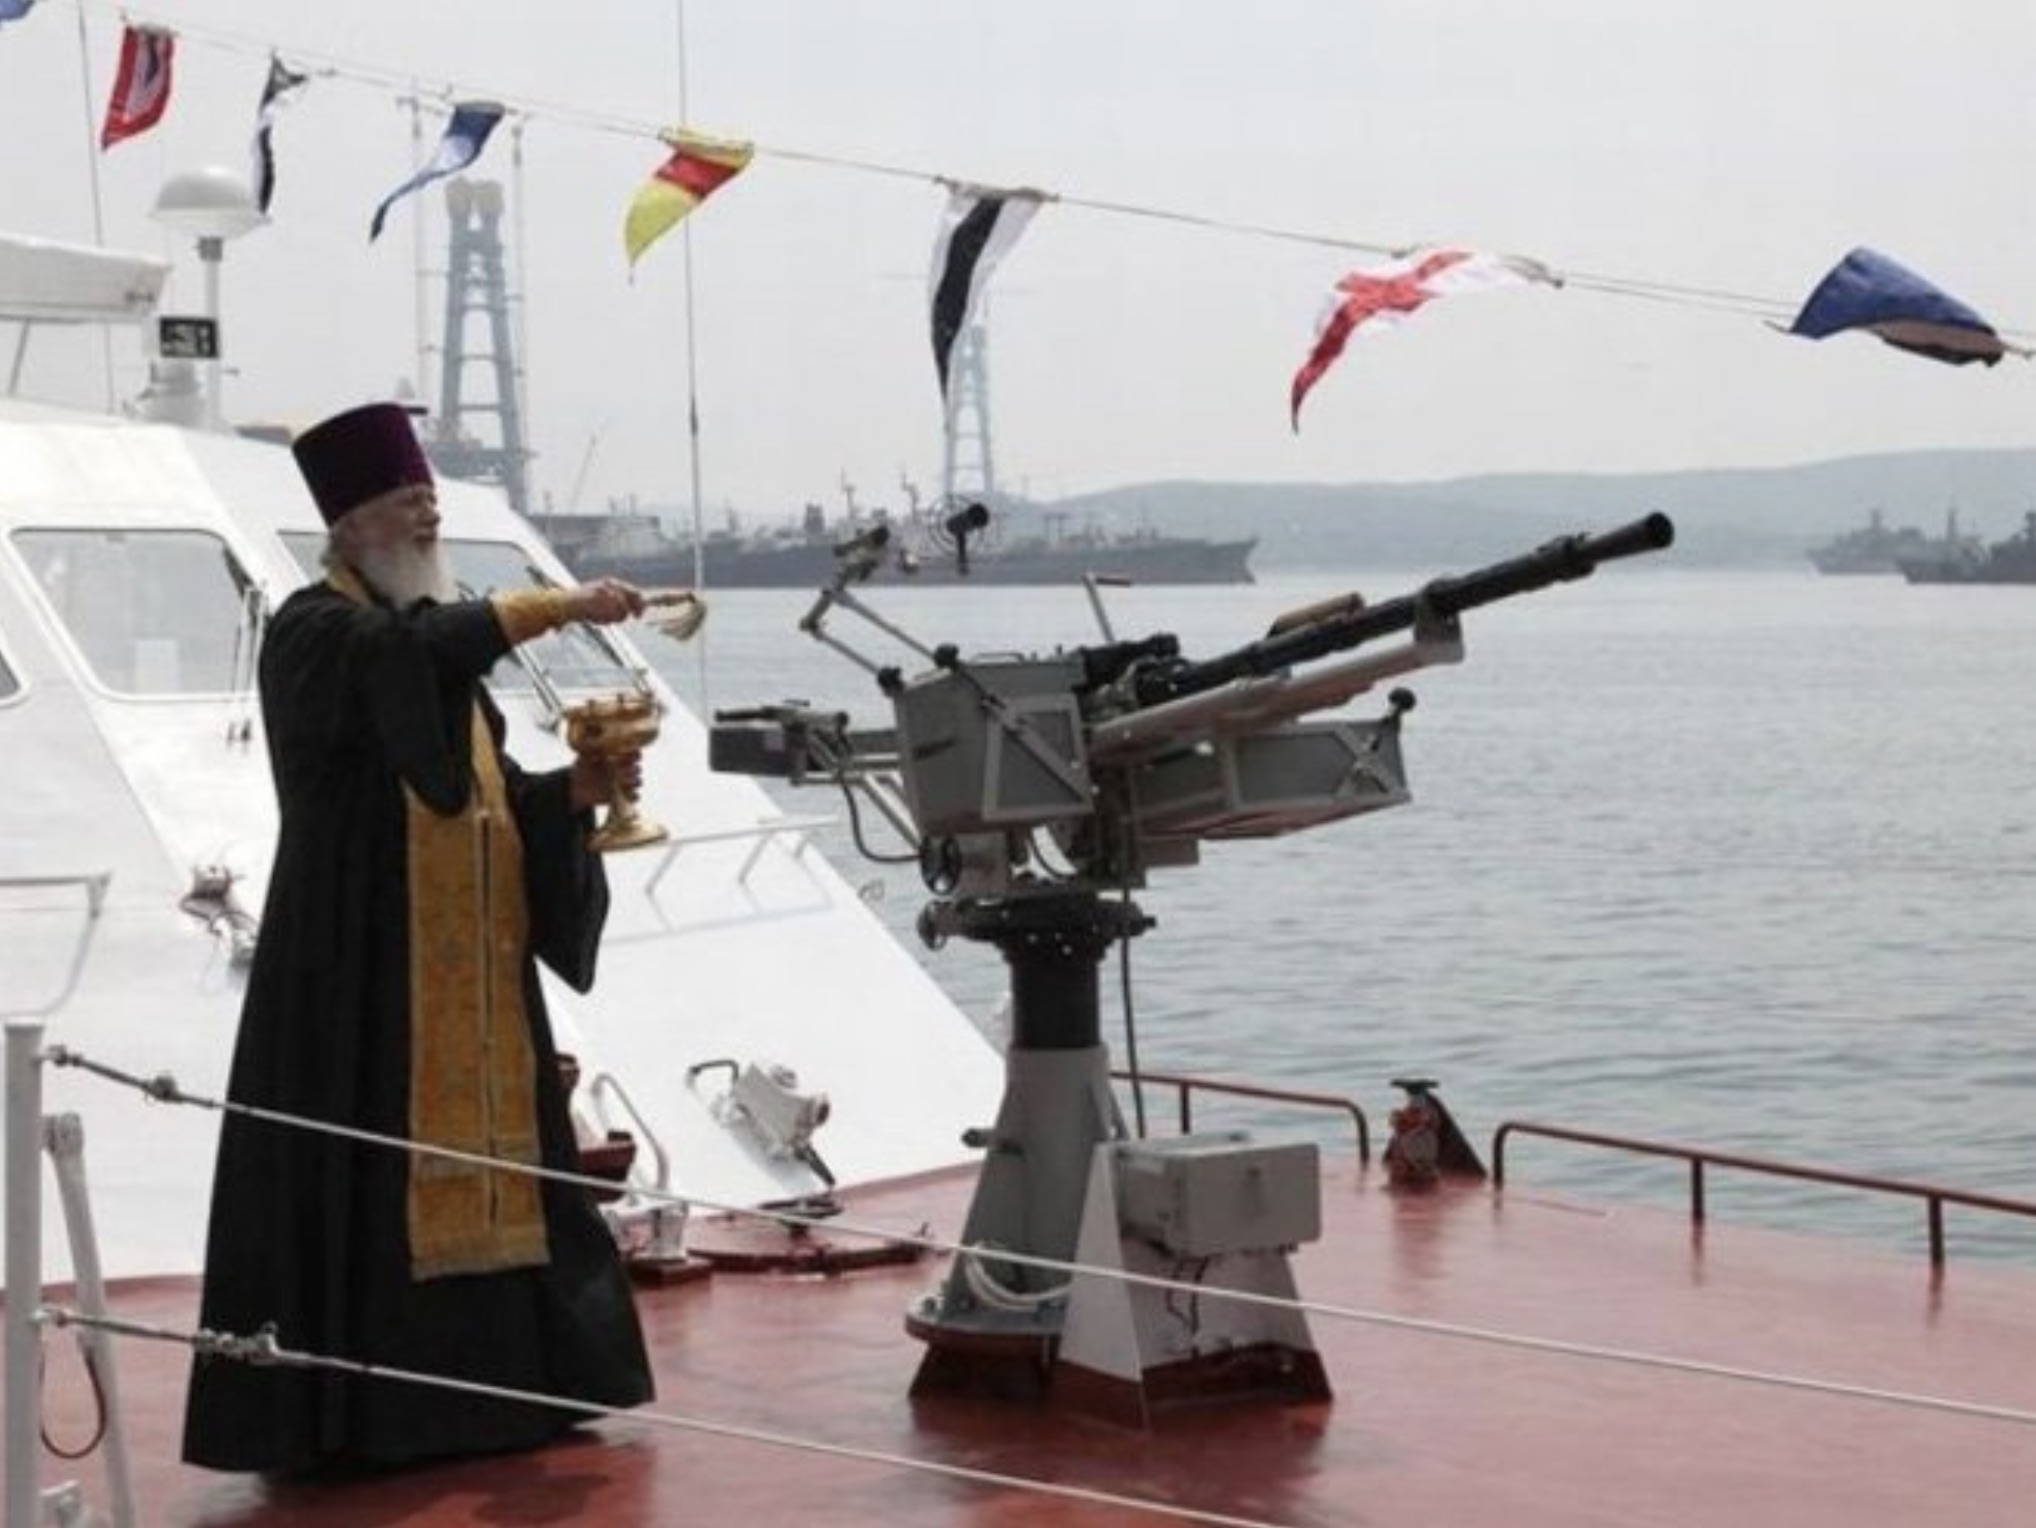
column 14, row 10
column 465, row 136
column 1866, row 290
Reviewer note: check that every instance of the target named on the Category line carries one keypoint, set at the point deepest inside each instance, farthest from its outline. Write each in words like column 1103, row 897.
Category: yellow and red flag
column 699, row 167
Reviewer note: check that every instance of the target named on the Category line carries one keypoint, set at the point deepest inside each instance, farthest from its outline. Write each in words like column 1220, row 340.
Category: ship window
column 573, row 659
column 152, row 612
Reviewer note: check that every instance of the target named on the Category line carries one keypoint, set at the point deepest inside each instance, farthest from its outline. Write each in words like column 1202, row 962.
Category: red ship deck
column 1424, row 1428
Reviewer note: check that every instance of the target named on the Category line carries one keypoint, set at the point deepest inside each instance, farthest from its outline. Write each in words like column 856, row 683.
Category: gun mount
column 1038, row 791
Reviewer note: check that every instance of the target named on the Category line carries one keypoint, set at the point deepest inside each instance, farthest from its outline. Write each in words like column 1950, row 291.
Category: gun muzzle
column 1553, row 562
column 1338, row 625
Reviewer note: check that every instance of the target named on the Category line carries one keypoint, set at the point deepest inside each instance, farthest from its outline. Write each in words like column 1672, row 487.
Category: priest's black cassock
column 377, row 722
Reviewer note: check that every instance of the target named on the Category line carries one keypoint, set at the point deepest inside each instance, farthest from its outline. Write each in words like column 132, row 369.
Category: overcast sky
column 1737, row 146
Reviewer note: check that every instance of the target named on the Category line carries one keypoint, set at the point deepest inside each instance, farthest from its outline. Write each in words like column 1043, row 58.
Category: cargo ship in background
column 915, row 546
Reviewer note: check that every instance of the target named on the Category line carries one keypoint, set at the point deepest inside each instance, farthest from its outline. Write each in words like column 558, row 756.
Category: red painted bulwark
column 1424, row 1428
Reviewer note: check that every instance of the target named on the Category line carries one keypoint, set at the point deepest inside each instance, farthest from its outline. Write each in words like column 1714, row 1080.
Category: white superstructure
column 136, row 560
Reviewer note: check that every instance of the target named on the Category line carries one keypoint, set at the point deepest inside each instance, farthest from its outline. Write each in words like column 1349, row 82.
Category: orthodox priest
column 419, row 877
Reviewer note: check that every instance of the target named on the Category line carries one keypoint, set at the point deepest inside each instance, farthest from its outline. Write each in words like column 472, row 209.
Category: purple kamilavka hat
column 359, row 455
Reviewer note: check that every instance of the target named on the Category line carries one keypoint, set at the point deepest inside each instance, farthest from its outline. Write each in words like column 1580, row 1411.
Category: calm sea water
column 1739, row 859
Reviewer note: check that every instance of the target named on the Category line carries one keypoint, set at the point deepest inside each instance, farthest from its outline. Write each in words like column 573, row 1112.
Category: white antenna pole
column 98, row 203
column 421, row 382
column 692, row 380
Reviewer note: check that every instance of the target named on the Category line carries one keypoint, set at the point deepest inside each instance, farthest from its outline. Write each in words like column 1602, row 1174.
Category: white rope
column 163, row 1088
column 403, row 85
column 263, row 1349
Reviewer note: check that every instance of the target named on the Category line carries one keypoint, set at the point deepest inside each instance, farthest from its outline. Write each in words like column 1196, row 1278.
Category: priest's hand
column 595, row 781
column 605, row 601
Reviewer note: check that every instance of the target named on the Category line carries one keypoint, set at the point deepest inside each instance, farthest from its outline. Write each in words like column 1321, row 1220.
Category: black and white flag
column 282, row 85
column 977, row 229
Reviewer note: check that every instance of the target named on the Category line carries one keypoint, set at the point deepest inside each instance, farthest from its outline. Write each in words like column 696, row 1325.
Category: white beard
column 406, row 573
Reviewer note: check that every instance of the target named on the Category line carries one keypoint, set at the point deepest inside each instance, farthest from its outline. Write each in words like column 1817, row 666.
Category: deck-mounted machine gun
column 1040, row 791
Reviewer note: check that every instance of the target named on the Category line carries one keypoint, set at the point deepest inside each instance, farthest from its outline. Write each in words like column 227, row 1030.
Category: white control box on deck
column 1218, row 1193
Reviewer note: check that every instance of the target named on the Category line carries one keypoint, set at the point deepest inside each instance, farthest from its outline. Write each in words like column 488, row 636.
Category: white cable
column 994, row 1292
column 404, row 85
column 163, row 1088
column 264, row 1350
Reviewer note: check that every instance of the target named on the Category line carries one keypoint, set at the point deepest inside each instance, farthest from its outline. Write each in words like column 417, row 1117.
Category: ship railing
column 27, row 1135
column 760, row 835
column 1700, row 1160
column 92, row 888
column 1185, row 1087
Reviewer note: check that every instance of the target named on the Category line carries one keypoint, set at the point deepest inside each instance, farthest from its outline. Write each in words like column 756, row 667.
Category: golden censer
column 609, row 729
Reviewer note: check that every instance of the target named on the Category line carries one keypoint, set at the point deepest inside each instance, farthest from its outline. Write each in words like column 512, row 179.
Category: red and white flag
column 141, row 91
column 1388, row 293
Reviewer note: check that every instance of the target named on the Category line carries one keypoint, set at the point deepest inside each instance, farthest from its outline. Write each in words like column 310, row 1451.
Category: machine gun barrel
column 1351, row 624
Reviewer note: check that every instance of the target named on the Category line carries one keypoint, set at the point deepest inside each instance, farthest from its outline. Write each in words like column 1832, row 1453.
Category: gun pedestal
column 1060, row 1182
column 994, row 1326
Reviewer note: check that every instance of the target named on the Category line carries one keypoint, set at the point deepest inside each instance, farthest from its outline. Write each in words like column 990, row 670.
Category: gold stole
column 472, row 1074
column 472, row 1069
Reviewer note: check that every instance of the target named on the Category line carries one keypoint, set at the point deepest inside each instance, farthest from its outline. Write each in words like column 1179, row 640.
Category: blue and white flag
column 14, row 10
column 1866, row 290
column 280, row 89
column 465, row 136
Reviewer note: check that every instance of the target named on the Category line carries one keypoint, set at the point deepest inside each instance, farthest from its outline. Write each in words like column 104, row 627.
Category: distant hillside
column 1740, row 517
